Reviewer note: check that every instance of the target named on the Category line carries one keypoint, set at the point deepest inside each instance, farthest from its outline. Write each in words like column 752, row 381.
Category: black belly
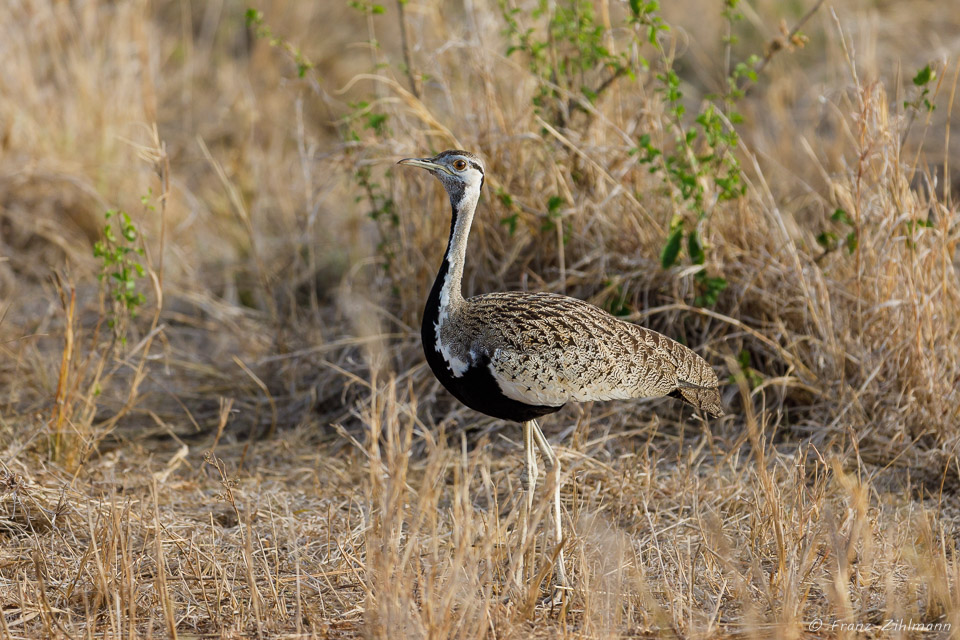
column 477, row 388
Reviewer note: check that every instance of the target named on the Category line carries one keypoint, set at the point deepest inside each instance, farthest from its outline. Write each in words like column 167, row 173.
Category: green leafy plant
column 617, row 304
column 120, row 268
column 365, row 6
column 922, row 101
column 381, row 209
column 380, row 205
column 914, row 228
column 697, row 161
column 511, row 218
column 554, row 219
column 750, row 375
column 569, row 56
column 830, row 240
column 365, row 113
column 923, row 83
column 699, row 165
column 262, row 30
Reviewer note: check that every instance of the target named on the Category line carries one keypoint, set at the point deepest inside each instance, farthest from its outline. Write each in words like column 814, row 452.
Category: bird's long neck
column 448, row 284
column 446, row 294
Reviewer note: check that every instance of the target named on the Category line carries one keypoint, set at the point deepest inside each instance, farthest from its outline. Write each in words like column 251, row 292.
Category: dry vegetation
column 266, row 454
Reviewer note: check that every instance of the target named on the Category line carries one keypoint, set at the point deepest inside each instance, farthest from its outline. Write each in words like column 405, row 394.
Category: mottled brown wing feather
column 549, row 349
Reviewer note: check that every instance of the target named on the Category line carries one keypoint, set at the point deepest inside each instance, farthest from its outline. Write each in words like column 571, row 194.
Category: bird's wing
column 548, row 349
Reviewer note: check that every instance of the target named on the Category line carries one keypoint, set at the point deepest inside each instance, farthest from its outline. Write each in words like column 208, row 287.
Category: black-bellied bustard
column 519, row 355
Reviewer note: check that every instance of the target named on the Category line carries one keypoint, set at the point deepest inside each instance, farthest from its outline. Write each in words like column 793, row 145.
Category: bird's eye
column 459, row 165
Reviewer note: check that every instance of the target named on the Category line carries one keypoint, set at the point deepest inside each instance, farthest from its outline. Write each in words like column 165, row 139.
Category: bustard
column 519, row 355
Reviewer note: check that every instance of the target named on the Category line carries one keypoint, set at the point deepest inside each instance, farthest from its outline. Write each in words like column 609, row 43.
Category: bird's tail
column 704, row 398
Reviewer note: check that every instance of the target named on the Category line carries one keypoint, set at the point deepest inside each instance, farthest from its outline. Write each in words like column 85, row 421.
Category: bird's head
column 460, row 172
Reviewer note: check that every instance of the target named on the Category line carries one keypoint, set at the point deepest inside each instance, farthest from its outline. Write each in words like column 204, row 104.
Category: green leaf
column 749, row 373
column 376, row 121
column 712, row 287
column 851, row 242
column 694, row 248
column 671, row 249
column 924, row 76
column 827, row 239
column 253, row 17
column 841, row 216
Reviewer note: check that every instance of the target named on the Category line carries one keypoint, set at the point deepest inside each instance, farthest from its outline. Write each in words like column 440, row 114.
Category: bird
column 520, row 355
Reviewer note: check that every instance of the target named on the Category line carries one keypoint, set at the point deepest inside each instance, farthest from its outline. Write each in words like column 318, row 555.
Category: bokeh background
column 260, row 448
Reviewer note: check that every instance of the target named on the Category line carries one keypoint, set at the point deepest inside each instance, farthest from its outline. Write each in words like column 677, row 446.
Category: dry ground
column 266, row 453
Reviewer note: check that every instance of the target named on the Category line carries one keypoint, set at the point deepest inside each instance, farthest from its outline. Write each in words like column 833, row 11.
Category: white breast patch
column 457, row 365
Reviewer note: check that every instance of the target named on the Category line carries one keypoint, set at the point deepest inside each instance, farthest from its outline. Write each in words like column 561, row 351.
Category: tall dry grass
column 266, row 453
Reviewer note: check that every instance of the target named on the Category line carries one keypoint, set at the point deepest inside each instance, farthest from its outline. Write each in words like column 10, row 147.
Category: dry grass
column 267, row 454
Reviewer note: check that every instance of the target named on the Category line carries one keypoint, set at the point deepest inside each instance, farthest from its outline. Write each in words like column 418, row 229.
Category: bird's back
column 548, row 349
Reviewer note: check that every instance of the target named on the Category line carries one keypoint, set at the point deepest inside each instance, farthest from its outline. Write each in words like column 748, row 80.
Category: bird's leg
column 553, row 466
column 530, row 473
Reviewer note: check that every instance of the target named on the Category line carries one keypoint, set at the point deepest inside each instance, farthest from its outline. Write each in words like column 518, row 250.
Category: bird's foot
column 520, row 596
column 555, row 598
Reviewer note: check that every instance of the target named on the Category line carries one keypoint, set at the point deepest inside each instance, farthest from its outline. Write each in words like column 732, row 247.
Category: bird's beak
column 425, row 163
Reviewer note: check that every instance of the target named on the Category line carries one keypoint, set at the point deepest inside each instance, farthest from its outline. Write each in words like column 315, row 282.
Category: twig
column 777, row 44
column 414, row 85
column 69, row 302
column 161, row 584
